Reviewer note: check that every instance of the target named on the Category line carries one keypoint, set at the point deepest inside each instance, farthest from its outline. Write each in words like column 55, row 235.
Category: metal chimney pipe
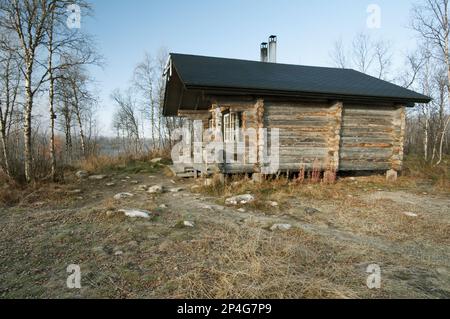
column 264, row 52
column 273, row 49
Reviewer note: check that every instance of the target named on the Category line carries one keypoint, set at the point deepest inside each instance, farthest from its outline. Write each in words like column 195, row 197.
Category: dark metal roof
column 219, row 74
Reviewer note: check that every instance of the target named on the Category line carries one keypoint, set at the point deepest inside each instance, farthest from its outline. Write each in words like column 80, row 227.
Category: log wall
column 334, row 135
column 371, row 138
column 309, row 132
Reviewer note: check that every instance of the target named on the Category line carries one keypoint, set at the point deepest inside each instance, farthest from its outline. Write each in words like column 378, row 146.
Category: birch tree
column 430, row 20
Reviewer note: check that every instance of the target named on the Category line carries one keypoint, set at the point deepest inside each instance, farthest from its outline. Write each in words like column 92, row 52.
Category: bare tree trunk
column 27, row 127
column 82, row 137
column 441, row 146
column 4, row 150
column 79, row 120
column 51, row 98
column 425, row 141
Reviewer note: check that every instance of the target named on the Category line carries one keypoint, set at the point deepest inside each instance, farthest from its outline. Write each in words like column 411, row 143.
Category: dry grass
column 234, row 262
column 438, row 176
column 347, row 203
column 222, row 256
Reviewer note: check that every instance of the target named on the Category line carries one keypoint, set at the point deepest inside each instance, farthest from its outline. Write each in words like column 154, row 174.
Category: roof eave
column 336, row 96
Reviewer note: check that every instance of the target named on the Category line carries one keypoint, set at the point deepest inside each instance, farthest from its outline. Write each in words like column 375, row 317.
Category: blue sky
column 306, row 30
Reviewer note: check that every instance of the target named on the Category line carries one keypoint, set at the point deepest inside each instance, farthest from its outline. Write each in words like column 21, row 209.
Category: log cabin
column 340, row 118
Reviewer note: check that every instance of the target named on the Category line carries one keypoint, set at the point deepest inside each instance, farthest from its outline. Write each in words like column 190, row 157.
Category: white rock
column 123, row 195
column 142, row 188
column 240, row 200
column 188, row 224
column 157, row 189
column 109, row 213
column 135, row 213
column 156, row 160
column 208, row 182
column 176, row 190
column 82, row 174
column 118, row 253
column 241, row 210
column 273, row 204
column 163, row 206
column 281, row 227
column 97, row 177
column 110, row 184
column 410, row 214
column 75, row 191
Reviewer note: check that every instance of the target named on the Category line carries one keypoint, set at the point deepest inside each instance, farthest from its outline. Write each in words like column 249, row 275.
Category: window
column 230, row 127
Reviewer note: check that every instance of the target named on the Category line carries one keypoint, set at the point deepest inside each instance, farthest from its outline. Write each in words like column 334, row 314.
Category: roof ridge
column 268, row 63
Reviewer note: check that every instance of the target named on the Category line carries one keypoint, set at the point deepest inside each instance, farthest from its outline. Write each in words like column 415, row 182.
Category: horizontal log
column 363, row 166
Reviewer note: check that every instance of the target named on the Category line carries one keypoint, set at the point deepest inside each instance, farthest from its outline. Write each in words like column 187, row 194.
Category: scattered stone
column 209, row 182
column 272, row 204
column 240, row 200
column 118, row 253
column 75, row 191
column 281, row 227
column 97, row 177
column 311, row 211
column 134, row 182
column 207, row 207
column 172, row 181
column 82, row 174
column 410, row 214
column 156, row 160
column 135, row 213
column 122, row 196
column 163, row 206
column 79, row 198
column 241, row 210
column 188, row 224
column 157, row 189
column 109, row 213
column 185, row 224
column 195, row 188
column 110, row 184
column 142, row 188
column 391, row 176
column 257, row 178
column 176, row 190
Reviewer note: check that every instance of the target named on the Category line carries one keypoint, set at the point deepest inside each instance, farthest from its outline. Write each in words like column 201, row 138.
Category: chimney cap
column 264, row 45
column 273, row 38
